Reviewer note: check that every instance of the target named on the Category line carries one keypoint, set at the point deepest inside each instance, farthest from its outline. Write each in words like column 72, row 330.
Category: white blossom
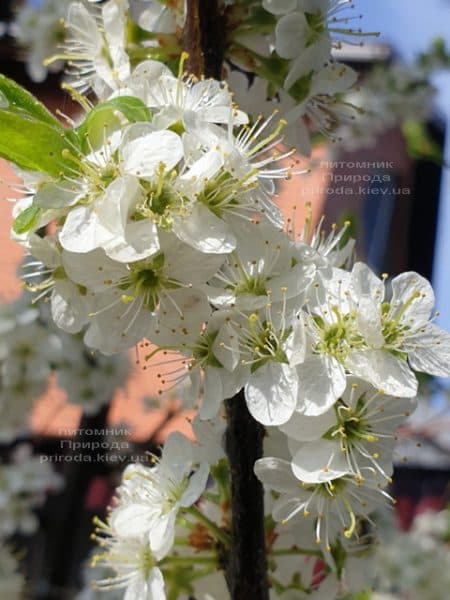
column 39, row 30
column 95, row 46
column 356, row 435
column 24, row 485
column 134, row 564
column 150, row 498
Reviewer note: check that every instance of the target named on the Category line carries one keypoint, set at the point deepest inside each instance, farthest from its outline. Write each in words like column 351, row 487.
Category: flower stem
column 220, row 535
column 295, row 551
column 187, row 561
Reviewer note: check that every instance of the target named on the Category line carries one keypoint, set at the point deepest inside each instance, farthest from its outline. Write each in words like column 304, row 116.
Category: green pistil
column 177, row 128
column 393, row 330
column 23, row 351
column 317, row 26
column 353, row 426
column 329, row 489
column 300, row 89
column 160, row 201
column 339, row 338
column 147, row 563
column 251, row 285
column 108, row 175
column 146, row 280
column 107, row 56
column 393, row 333
column 266, row 344
column 203, row 353
column 59, row 273
column 222, row 193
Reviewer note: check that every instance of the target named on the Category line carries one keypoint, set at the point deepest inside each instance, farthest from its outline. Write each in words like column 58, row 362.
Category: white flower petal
column 155, row 586
column 384, row 371
column 132, row 520
column 93, row 270
column 202, row 230
column 143, row 156
column 321, row 383
column 291, row 34
column 279, row 7
column 162, row 532
column 212, row 393
column 286, row 506
column 404, row 287
column 296, row 343
column 319, row 461
column 335, row 78
column 305, row 428
column 313, row 57
column 178, row 454
column 276, row 473
column 58, row 195
column 429, row 351
column 69, row 308
column 196, row 486
column 82, row 231
column 271, row 393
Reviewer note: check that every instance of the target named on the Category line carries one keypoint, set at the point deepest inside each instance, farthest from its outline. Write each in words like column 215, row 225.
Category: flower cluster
column 27, row 350
column 140, row 529
column 11, row 580
column 24, row 485
column 32, row 349
column 161, row 228
column 390, row 97
column 38, row 28
column 283, row 48
column 286, row 54
column 153, row 224
column 415, row 563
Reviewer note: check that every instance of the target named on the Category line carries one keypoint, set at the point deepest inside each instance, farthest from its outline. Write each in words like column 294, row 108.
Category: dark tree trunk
column 247, row 564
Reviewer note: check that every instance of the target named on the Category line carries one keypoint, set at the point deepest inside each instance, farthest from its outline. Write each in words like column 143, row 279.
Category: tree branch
column 246, row 563
column 203, row 38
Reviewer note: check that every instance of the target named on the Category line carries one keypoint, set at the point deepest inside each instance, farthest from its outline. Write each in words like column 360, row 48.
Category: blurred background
column 387, row 173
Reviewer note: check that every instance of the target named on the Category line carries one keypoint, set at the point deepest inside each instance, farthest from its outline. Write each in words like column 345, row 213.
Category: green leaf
column 103, row 119
column 33, row 145
column 17, row 100
column 27, row 219
column 420, row 144
column 132, row 108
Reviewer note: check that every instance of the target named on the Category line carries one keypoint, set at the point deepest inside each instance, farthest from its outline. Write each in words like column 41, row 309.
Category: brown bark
column 203, row 38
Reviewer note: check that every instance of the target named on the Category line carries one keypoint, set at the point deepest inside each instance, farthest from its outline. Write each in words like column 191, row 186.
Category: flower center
column 146, row 562
column 265, row 343
column 202, row 351
column 146, row 280
column 225, row 193
column 317, row 26
column 160, row 200
column 393, row 329
column 352, row 425
column 338, row 338
column 251, row 285
column 173, row 494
